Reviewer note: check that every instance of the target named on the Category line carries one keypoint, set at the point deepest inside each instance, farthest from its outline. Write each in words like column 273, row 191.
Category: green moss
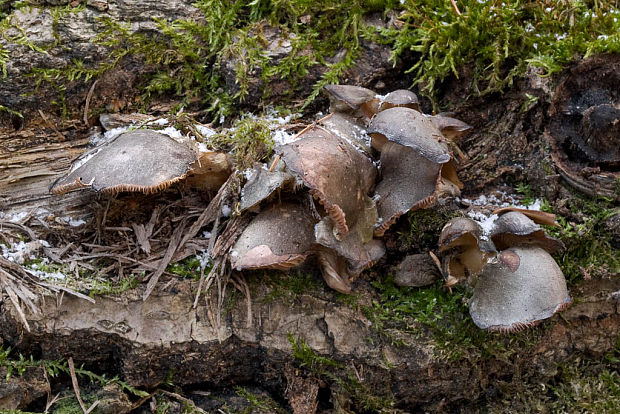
column 17, row 365
column 435, row 312
column 259, row 402
column 424, row 228
column 189, row 267
column 249, row 141
column 288, row 286
column 344, row 382
column 497, row 40
column 581, row 386
column 589, row 251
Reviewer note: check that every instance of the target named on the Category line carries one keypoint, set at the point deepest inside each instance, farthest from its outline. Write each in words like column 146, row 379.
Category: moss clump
column 444, row 315
column 424, row 228
column 497, row 40
column 589, row 250
column 249, row 141
column 581, row 386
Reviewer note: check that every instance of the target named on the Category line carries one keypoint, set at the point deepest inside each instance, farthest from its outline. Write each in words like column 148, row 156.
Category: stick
column 76, row 388
column 88, row 98
column 456, row 9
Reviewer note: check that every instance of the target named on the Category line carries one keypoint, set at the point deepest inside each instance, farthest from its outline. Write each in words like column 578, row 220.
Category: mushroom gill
column 268, row 242
column 521, row 288
column 141, row 161
column 338, row 176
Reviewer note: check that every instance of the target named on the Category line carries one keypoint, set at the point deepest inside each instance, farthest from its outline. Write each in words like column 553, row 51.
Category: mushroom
column 538, row 217
column 355, row 100
column 268, row 242
column 141, row 160
column 334, row 270
column 261, row 185
column 515, row 229
column 210, row 171
column 410, row 128
column 338, row 176
column 401, row 98
column 360, row 255
column 349, row 128
column 521, row 288
column 409, row 182
column 465, row 251
column 451, row 128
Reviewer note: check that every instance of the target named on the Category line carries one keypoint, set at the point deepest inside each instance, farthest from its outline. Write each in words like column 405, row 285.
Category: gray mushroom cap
column 515, row 229
column 261, row 185
column 400, row 97
column 459, row 231
column 409, row 182
column 410, row 128
column 268, row 242
column 142, row 161
column 524, row 286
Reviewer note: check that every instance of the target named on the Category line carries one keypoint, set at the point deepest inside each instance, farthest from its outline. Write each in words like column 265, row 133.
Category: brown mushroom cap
column 523, row 287
column 515, row 229
column 451, row 128
column 410, row 128
column 261, row 185
column 538, row 217
column 210, row 171
column 352, row 99
column 400, row 97
column 142, row 161
column 268, row 242
column 409, row 182
column 338, row 175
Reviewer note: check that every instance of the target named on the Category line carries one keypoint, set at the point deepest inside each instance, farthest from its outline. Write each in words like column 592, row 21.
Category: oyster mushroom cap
column 524, row 286
column 141, row 160
column 410, row 128
column 400, row 97
column 338, row 175
column 514, row 229
column 451, row 128
column 261, row 185
column 269, row 242
column 409, row 182
column 352, row 99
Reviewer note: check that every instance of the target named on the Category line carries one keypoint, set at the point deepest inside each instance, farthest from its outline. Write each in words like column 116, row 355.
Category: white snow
column 226, row 210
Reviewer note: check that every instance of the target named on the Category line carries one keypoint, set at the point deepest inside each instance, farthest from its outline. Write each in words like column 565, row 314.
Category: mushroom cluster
column 516, row 282
column 337, row 188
